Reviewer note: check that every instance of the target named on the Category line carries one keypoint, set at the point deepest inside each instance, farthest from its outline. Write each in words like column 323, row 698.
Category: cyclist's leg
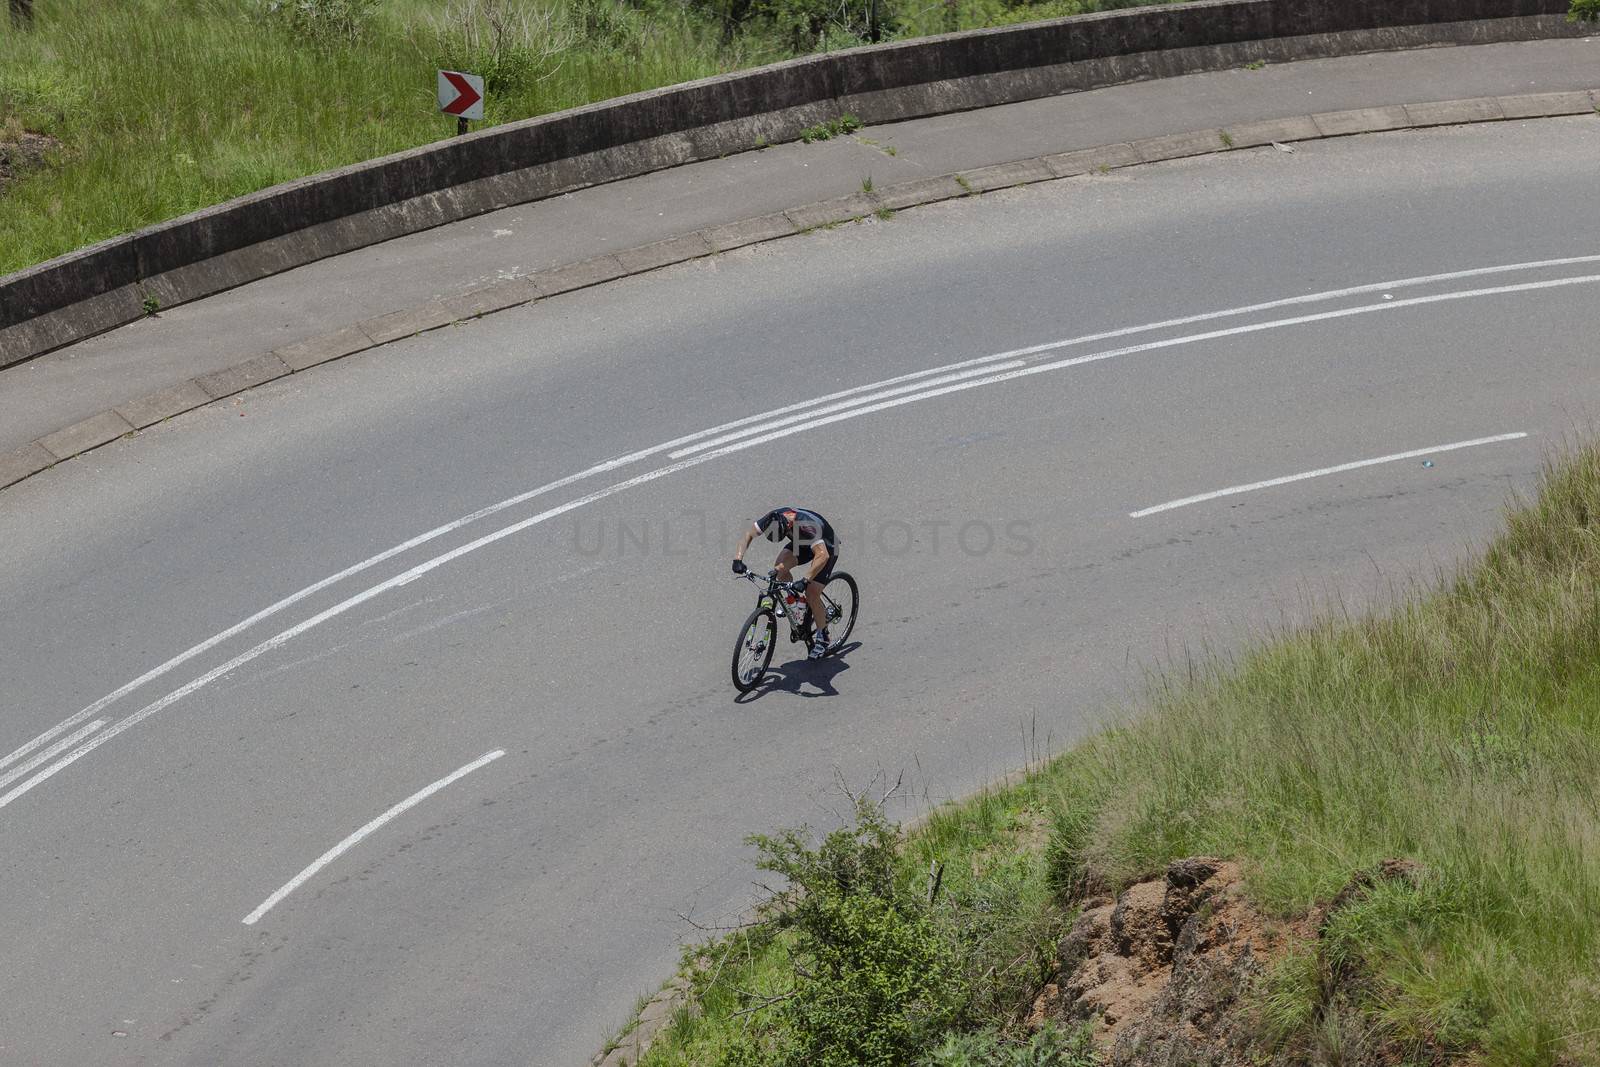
column 819, row 613
column 785, row 564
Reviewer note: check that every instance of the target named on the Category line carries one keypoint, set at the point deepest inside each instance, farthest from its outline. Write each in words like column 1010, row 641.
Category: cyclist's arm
column 744, row 542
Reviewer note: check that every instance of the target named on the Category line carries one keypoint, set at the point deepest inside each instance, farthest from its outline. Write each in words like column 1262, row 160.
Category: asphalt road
column 513, row 915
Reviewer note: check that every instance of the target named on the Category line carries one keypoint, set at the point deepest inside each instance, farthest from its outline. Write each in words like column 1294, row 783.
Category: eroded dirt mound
column 21, row 151
column 1159, row 970
column 1161, row 973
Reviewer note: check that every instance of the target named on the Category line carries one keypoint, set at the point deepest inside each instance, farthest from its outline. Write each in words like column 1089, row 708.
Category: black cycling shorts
column 806, row 555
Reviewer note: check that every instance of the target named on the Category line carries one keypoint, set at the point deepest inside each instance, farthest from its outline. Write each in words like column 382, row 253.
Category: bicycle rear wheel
column 754, row 650
column 841, row 599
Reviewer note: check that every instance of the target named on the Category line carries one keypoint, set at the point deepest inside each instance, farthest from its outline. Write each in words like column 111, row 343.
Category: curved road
column 1011, row 599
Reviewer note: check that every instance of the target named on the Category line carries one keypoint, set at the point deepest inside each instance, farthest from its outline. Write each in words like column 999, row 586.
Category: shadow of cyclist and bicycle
column 792, row 677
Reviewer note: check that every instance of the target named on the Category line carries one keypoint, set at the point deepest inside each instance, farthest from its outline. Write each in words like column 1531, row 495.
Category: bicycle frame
column 798, row 614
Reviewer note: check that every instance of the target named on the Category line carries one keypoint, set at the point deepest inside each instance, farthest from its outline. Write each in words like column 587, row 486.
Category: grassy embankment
column 1461, row 730
column 162, row 108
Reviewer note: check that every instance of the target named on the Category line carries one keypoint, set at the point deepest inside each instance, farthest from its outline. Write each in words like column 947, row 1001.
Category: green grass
column 167, row 106
column 1460, row 730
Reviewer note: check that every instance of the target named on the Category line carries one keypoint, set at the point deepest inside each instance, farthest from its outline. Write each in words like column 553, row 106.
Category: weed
column 866, row 184
column 151, row 304
column 762, row 143
column 1227, row 139
column 824, row 131
column 966, row 186
column 1255, row 64
column 884, row 214
column 1584, row 11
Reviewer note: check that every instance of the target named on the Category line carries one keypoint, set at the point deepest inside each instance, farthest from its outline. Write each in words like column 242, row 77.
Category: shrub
column 320, row 23
column 1584, row 11
column 808, row 25
column 508, row 43
column 874, row 980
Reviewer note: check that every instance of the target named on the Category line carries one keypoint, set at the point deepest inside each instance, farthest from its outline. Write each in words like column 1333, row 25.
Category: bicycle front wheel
column 754, row 650
column 840, row 599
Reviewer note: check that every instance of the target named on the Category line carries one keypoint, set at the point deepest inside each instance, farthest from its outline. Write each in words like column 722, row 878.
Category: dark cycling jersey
column 807, row 530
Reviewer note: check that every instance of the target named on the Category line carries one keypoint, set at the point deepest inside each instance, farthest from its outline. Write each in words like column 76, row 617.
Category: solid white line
column 278, row 640
column 354, row 839
column 1151, row 346
column 1286, row 479
column 416, row 572
column 813, row 413
column 613, row 464
column 50, row 753
column 1292, row 301
column 419, row 570
column 440, row 531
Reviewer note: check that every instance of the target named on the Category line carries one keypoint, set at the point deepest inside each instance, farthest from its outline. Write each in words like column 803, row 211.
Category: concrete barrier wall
column 103, row 286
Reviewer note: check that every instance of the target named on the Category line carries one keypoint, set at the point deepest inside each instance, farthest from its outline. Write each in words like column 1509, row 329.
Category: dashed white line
column 613, row 464
column 1232, row 490
column 765, row 434
column 354, row 839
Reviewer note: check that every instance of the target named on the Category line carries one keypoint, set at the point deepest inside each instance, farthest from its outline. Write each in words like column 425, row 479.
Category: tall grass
column 166, row 107
column 1460, row 730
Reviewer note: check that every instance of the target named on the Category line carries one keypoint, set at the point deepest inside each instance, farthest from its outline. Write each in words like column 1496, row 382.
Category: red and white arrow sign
column 461, row 94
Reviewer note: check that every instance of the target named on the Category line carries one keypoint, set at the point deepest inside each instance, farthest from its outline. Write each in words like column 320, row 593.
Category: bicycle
column 774, row 600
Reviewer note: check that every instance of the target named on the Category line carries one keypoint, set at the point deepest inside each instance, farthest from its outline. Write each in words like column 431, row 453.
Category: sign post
column 461, row 95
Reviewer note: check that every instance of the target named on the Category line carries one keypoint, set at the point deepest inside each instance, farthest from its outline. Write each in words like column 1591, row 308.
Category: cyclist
column 810, row 541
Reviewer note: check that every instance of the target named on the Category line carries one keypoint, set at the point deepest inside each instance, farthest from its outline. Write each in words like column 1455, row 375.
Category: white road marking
column 867, row 399
column 764, row 437
column 50, row 753
column 354, row 839
column 440, row 531
column 613, row 464
column 1286, row 479
column 1149, row 346
column 1291, row 301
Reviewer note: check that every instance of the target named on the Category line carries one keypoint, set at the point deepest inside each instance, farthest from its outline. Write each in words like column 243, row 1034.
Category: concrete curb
column 139, row 413
column 103, row 286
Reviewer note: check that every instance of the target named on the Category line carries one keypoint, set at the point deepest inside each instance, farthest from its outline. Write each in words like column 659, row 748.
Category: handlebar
column 770, row 579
